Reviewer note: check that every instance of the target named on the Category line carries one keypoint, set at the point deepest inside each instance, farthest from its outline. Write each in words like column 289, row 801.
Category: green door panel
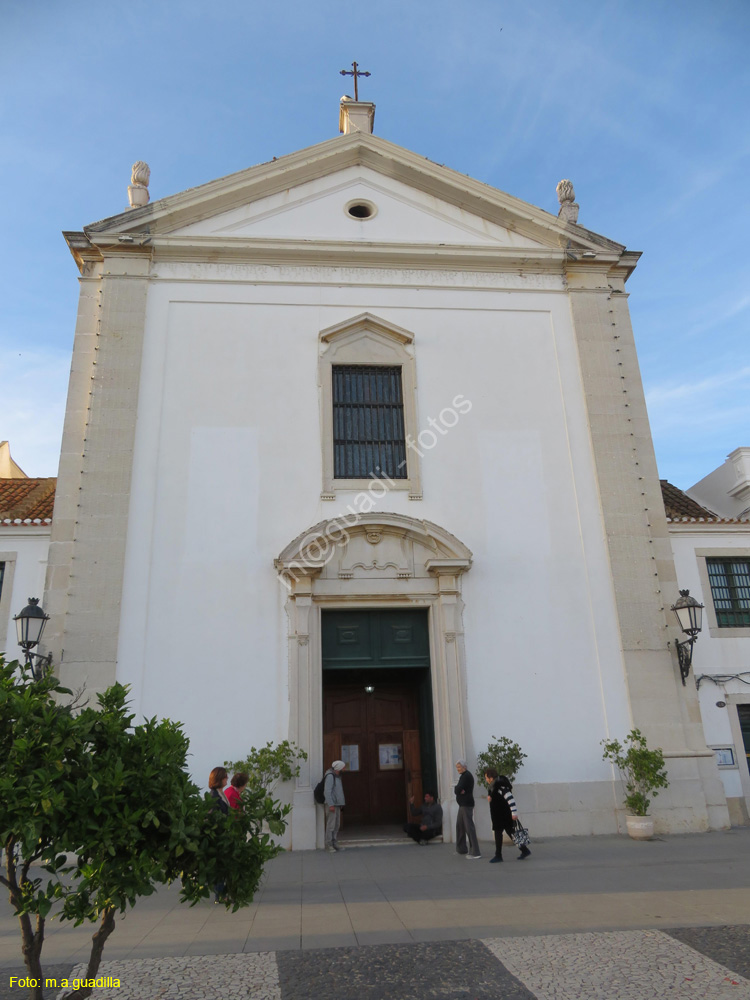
column 373, row 638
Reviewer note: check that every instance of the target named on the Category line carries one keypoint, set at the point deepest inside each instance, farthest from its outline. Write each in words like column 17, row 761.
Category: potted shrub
column 643, row 772
column 505, row 756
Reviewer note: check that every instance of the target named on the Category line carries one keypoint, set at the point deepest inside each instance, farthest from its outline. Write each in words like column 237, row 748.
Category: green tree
column 136, row 818
column 42, row 760
column 269, row 764
column 643, row 771
column 118, row 799
column 505, row 756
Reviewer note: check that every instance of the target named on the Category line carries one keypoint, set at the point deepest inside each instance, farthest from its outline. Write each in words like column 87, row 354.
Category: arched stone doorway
column 372, row 561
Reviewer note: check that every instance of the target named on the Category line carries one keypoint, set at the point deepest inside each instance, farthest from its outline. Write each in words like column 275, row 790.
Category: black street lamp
column 29, row 625
column 690, row 616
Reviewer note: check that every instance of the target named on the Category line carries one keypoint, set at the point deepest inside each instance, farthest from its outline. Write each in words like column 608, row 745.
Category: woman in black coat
column 502, row 812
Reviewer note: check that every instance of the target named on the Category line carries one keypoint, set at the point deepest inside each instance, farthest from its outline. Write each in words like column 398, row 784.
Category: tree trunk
column 32, row 953
column 98, row 941
column 32, row 941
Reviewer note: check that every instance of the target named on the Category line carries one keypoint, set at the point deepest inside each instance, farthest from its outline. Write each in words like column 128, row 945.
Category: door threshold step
column 381, row 841
column 372, row 842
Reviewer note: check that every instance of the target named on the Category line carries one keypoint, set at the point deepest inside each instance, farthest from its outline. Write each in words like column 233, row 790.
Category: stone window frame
column 9, row 558
column 714, row 629
column 368, row 340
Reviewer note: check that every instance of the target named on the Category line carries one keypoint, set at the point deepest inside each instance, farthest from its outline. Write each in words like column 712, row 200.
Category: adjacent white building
column 711, row 546
column 25, row 520
column 356, row 454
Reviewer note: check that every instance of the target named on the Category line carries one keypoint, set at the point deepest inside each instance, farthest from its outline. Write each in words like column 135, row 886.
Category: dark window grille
column 730, row 590
column 2, row 574
column 368, row 423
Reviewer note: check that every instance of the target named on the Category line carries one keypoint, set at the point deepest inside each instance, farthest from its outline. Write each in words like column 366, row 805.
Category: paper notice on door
column 350, row 756
column 391, row 756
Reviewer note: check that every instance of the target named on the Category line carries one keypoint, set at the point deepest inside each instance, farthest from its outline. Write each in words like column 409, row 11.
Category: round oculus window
column 360, row 210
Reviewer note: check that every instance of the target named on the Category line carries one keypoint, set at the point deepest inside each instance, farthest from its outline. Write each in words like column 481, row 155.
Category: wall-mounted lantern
column 690, row 616
column 29, row 626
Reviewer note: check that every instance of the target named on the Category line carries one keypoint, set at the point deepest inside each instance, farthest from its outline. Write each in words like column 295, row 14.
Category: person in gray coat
column 432, row 820
column 333, row 791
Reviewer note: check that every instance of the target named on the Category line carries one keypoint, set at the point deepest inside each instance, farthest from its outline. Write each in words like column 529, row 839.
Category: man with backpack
column 333, row 794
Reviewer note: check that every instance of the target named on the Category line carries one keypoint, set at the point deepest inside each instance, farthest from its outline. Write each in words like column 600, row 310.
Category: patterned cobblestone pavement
column 627, row 965
column 685, row 964
column 444, row 969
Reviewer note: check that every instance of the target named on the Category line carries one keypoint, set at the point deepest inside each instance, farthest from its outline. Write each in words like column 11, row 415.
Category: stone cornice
column 695, row 526
column 447, row 567
column 212, row 249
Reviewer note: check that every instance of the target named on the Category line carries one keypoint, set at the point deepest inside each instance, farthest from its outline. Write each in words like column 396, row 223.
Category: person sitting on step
column 432, row 820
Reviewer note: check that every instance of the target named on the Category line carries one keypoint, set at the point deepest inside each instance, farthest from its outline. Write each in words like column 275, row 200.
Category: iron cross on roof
column 355, row 73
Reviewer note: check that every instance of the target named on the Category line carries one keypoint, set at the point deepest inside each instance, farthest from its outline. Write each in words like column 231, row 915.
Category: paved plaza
column 584, row 918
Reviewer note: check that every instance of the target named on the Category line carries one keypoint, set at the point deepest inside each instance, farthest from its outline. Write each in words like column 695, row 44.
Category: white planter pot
column 640, row 827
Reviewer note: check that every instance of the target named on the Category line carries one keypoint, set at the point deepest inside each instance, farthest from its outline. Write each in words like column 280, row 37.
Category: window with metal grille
column 368, row 422
column 730, row 590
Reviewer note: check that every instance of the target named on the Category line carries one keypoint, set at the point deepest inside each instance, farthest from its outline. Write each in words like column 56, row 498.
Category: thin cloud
column 719, row 316
column 661, row 395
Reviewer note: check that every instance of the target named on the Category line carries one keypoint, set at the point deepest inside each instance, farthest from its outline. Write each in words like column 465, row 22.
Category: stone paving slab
column 616, row 965
column 569, row 885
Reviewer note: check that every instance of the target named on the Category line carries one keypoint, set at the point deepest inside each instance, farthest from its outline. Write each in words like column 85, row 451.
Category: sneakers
column 495, row 860
column 331, row 849
column 473, row 857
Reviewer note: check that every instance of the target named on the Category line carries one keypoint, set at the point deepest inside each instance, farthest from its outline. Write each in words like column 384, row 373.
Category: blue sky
column 644, row 104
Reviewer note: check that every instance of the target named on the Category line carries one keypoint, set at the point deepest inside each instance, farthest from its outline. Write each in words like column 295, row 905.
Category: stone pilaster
column 643, row 571
column 87, row 551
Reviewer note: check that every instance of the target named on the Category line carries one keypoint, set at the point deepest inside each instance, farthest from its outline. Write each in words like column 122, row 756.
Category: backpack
column 319, row 790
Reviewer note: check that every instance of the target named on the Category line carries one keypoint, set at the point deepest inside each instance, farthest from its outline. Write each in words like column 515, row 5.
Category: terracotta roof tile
column 22, row 499
column 678, row 504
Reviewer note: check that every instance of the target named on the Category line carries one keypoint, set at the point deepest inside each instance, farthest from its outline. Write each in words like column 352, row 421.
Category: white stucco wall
column 228, row 471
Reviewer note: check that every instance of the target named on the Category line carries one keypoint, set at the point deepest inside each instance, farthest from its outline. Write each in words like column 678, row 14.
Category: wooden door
column 413, row 767
column 389, row 713
column 371, row 731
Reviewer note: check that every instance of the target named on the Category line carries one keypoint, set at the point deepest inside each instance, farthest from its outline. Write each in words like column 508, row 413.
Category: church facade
column 356, row 454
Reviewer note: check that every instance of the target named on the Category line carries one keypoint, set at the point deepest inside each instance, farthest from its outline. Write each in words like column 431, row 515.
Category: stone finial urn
column 567, row 198
column 138, row 188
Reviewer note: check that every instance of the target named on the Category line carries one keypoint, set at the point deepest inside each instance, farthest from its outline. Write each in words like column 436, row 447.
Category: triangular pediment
column 322, row 209
column 304, row 196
